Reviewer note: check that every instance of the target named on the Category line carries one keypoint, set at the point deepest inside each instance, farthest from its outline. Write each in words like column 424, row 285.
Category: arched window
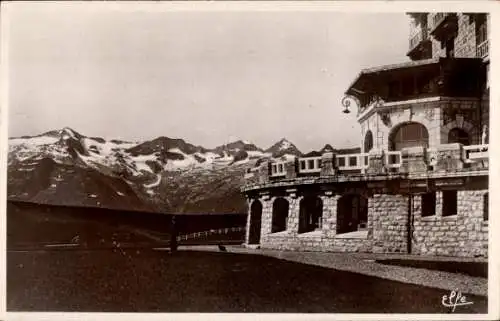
column 457, row 135
column 280, row 215
column 368, row 141
column 352, row 213
column 255, row 222
column 311, row 212
column 408, row 135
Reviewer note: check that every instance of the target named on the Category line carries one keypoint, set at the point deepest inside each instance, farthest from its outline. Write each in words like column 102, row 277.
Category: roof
column 391, row 67
column 396, row 70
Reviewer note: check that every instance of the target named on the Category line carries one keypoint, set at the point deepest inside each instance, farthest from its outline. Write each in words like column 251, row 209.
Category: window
column 311, row 212
column 409, row 135
column 352, row 213
column 341, row 162
column 280, row 215
column 481, row 29
column 280, row 168
column 302, row 164
column 457, row 135
column 428, row 204
column 368, row 141
column 311, row 163
column 485, row 207
column 449, row 203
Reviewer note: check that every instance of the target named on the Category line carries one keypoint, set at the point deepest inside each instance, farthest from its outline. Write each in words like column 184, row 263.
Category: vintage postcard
column 249, row 160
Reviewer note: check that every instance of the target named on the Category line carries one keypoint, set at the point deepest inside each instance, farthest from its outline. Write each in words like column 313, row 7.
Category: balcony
column 351, row 162
column 475, row 153
column 446, row 160
column 420, row 45
column 278, row 169
column 483, row 50
column 309, row 165
column 444, row 25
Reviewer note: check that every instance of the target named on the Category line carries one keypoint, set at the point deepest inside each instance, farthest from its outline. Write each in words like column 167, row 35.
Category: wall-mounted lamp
column 346, row 102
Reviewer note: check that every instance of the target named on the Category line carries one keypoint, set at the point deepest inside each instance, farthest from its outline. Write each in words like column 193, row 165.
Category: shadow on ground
column 478, row 269
column 155, row 281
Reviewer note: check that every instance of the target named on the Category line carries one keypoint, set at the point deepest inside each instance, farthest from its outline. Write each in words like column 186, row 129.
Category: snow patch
column 154, row 184
column 33, row 141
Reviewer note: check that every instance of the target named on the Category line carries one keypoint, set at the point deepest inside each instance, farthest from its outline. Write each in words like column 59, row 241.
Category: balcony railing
column 483, row 49
column 310, row 164
column 393, row 159
column 418, row 38
column 278, row 169
column 352, row 161
column 474, row 153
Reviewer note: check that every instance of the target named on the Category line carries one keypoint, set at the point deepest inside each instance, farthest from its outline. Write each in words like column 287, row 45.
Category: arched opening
column 255, row 222
column 311, row 213
column 368, row 145
column 458, row 135
column 410, row 134
column 280, row 215
column 352, row 213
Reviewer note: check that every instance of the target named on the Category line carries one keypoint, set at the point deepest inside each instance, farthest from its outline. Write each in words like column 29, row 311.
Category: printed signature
column 455, row 299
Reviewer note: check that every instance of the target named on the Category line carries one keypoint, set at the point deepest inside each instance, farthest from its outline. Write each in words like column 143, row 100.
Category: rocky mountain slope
column 163, row 174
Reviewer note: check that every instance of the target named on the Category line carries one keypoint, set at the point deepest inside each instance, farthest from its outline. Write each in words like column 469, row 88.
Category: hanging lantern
column 346, row 102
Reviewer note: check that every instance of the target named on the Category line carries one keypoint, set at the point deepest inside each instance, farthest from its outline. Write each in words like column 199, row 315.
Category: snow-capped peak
column 284, row 144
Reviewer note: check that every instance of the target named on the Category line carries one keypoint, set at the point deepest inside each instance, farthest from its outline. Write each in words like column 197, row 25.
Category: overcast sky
column 206, row 77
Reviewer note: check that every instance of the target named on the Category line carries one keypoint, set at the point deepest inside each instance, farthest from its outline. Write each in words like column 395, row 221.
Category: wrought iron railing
column 202, row 234
column 483, row 49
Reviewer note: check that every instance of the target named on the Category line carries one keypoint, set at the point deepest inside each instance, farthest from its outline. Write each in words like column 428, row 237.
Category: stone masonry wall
column 324, row 240
column 431, row 115
column 389, row 214
column 464, row 234
column 465, row 42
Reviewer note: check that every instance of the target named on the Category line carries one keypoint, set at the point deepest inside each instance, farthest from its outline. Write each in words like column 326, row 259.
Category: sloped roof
column 388, row 68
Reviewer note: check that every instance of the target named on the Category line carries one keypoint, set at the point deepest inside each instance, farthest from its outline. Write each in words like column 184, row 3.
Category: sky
column 206, row 77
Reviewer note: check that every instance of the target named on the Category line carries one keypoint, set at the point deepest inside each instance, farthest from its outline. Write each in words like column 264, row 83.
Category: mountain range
column 164, row 174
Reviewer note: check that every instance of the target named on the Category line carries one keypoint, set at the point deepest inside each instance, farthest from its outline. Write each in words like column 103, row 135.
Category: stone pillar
column 376, row 163
column 263, row 172
column 449, row 157
column 330, row 214
column 413, row 159
column 292, row 224
column 291, row 168
column 328, row 164
column 267, row 216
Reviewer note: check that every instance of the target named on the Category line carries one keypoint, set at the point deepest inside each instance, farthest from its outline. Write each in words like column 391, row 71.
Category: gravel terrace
column 364, row 263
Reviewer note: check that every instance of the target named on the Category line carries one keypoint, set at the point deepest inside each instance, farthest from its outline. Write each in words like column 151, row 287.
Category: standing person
column 173, row 235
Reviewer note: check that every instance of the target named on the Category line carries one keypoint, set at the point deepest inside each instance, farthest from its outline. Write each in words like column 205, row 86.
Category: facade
column 419, row 184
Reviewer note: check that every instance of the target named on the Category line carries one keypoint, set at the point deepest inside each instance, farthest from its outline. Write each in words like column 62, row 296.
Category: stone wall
column 465, row 42
column 464, row 234
column 390, row 216
column 432, row 115
column 324, row 240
